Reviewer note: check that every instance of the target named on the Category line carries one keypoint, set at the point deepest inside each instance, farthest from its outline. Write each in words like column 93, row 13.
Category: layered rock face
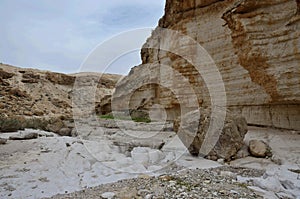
column 29, row 98
column 255, row 45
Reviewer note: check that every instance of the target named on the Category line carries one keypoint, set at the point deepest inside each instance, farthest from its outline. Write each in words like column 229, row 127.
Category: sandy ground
column 51, row 164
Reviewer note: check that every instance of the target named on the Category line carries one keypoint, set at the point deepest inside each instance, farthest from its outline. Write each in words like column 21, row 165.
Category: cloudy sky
column 58, row 35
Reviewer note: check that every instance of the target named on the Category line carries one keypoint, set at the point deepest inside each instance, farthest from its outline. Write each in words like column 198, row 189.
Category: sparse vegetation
column 295, row 170
column 135, row 119
column 243, row 185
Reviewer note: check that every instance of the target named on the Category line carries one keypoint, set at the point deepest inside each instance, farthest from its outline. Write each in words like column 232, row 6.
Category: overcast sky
column 57, row 35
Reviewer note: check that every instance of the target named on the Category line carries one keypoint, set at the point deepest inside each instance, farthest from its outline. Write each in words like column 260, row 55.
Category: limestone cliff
column 254, row 43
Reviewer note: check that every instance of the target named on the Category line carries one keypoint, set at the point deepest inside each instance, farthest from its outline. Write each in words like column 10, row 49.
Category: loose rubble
column 209, row 183
column 53, row 164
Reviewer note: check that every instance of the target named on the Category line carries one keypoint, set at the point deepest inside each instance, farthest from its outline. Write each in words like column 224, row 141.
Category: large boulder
column 3, row 141
column 5, row 75
column 223, row 141
column 25, row 136
column 65, row 132
column 259, row 148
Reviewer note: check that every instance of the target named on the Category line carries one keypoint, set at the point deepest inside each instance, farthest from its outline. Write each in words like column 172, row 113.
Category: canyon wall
column 255, row 45
column 35, row 99
column 36, row 93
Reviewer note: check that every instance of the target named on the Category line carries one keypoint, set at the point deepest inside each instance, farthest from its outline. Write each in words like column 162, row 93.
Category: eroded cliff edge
column 255, row 45
column 31, row 98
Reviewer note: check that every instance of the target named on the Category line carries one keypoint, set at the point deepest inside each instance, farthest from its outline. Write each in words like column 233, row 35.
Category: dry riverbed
column 114, row 163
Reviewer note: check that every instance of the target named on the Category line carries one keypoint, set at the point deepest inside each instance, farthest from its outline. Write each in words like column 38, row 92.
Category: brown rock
column 259, row 148
column 3, row 141
column 60, row 103
column 55, row 125
column 65, row 132
column 59, row 78
column 30, row 81
column 27, row 113
column 18, row 93
column 12, row 124
column 38, row 112
column 225, row 145
column 2, row 105
column 5, row 75
column 27, row 136
column 4, row 83
column 30, row 77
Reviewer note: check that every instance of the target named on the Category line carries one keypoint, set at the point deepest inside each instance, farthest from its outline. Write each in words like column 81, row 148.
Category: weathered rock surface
column 41, row 96
column 255, row 46
column 3, row 141
column 243, row 152
column 65, row 132
column 259, row 148
column 196, row 135
column 11, row 124
column 15, row 123
column 25, row 136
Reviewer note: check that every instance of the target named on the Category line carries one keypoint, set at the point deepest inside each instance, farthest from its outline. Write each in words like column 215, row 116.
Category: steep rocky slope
column 255, row 45
column 37, row 94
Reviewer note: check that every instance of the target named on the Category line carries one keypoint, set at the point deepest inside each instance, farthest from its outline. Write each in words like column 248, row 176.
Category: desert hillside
column 32, row 93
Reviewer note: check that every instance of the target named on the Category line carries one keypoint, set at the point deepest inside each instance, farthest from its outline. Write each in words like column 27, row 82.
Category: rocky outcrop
column 31, row 98
column 200, row 137
column 255, row 45
column 5, row 75
column 30, row 77
column 52, row 124
column 25, row 136
column 62, row 79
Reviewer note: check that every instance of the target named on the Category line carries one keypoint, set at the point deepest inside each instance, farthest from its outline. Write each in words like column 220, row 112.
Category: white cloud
column 57, row 35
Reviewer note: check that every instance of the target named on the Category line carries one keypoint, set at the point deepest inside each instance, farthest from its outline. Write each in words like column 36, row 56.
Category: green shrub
column 135, row 119
column 11, row 124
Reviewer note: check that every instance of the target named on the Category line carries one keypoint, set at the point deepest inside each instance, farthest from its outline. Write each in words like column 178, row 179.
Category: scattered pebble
column 197, row 183
column 108, row 195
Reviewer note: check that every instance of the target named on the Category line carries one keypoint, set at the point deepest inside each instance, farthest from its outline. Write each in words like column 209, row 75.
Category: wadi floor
column 143, row 161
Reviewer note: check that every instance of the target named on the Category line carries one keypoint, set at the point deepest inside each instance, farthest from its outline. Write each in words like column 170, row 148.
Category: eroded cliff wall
column 31, row 92
column 255, row 45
